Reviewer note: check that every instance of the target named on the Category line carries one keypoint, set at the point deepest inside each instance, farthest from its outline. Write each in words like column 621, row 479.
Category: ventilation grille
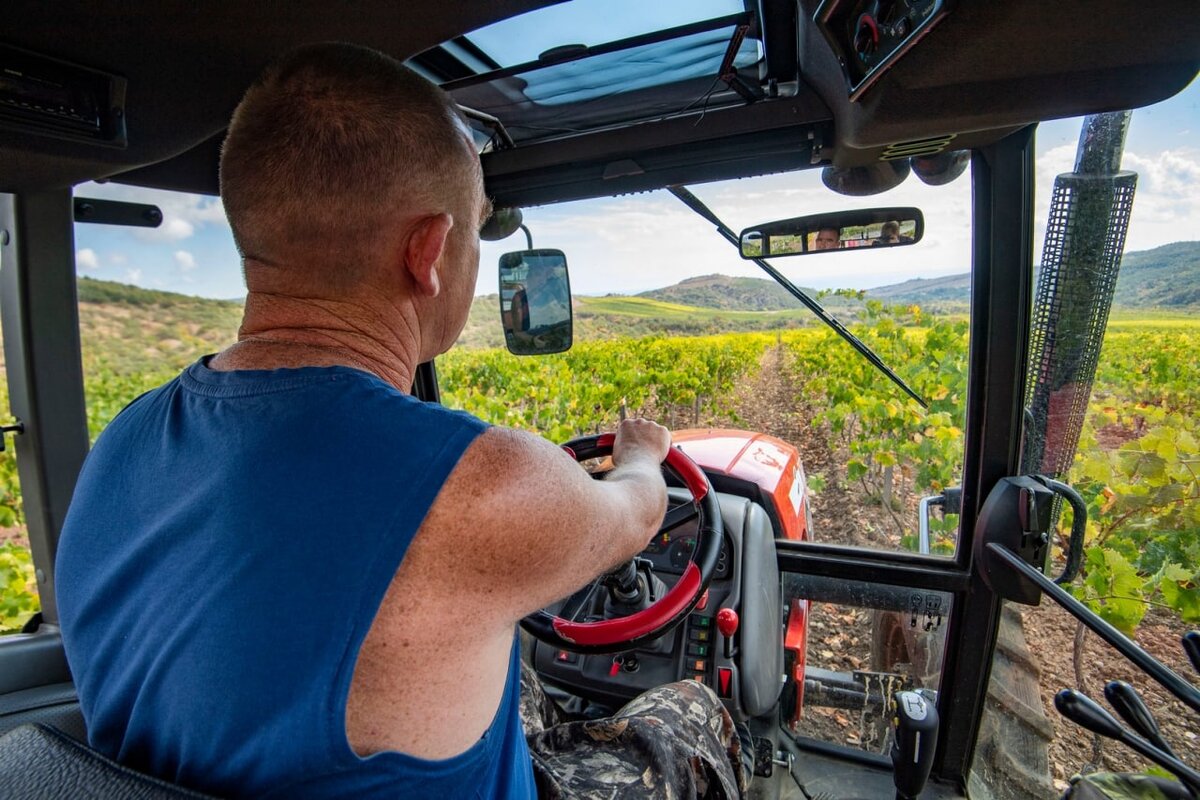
column 918, row 147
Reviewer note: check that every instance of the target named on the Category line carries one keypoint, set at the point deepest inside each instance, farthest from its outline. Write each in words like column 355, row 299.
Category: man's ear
column 423, row 252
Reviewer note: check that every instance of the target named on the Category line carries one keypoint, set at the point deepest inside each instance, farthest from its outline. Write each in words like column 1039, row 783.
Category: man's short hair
column 331, row 144
column 890, row 229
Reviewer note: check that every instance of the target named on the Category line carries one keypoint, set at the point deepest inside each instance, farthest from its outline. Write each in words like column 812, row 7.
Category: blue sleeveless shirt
column 231, row 537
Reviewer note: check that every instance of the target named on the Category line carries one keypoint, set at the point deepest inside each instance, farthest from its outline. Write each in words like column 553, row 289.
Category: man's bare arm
column 520, row 524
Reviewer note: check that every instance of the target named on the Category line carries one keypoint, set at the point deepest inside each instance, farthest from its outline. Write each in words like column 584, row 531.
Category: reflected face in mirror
column 889, row 234
column 535, row 302
column 827, row 239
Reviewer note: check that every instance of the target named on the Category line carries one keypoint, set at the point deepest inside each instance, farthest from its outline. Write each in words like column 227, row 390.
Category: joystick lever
column 727, row 624
column 915, row 722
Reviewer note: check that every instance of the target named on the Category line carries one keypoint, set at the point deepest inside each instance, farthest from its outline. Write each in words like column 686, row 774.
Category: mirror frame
column 570, row 321
column 835, row 219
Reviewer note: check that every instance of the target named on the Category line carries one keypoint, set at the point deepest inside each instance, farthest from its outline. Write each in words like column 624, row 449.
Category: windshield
column 673, row 324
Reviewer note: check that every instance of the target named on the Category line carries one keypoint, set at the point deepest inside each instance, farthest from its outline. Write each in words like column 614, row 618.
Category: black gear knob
column 1125, row 699
column 915, row 720
column 1087, row 713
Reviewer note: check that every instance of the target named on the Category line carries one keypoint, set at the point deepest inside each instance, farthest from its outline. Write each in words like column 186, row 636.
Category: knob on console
column 727, row 624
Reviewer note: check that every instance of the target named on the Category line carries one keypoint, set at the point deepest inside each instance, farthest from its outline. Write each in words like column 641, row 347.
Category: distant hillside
column 725, row 292
column 128, row 330
column 926, row 291
column 1165, row 277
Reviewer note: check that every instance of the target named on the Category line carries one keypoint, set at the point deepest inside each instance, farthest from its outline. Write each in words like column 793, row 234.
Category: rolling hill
column 725, row 292
column 127, row 328
column 1166, row 277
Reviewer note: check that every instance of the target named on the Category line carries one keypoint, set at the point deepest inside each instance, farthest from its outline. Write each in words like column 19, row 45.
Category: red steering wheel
column 625, row 633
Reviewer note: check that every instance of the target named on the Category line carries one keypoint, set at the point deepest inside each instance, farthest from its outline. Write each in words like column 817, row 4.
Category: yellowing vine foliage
column 1136, row 467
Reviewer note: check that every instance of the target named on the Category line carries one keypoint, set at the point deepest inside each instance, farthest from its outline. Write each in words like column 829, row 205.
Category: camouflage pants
column 676, row 741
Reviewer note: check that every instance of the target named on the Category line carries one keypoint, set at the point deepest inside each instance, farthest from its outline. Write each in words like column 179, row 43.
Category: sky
column 636, row 243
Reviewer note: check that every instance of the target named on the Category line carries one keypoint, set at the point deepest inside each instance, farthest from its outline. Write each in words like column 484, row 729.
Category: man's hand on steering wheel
column 638, row 439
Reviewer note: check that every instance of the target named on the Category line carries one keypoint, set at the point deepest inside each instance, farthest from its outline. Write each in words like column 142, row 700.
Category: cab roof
column 682, row 92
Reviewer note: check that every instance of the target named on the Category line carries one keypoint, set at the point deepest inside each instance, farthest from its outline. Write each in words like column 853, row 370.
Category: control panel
column 870, row 35
column 732, row 641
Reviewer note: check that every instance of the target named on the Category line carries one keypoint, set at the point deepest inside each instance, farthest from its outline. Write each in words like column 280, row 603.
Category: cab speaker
column 942, row 168
column 868, row 180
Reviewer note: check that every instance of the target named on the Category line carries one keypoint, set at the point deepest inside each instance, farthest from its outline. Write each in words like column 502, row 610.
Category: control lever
column 1084, row 711
column 916, row 733
column 632, row 587
column 727, row 624
column 1191, row 646
column 1125, row 699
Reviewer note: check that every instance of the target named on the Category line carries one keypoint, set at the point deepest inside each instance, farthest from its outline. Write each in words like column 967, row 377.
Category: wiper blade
column 691, row 201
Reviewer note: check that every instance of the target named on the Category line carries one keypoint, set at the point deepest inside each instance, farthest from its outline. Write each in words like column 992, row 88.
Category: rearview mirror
column 841, row 230
column 535, row 302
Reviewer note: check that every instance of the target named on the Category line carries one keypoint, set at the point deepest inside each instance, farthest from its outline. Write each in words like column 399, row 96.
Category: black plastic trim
column 1001, row 291
column 44, row 370
column 425, row 383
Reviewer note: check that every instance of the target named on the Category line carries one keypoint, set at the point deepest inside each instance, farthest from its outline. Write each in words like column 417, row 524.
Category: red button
column 703, row 601
column 724, row 676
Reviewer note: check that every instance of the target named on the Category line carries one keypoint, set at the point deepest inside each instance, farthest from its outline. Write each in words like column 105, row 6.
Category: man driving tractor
column 335, row 552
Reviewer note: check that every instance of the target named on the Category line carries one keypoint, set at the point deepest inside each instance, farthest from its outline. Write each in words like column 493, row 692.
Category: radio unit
column 48, row 97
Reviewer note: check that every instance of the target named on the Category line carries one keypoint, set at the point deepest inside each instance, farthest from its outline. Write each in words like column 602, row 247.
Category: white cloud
column 173, row 229
column 1166, row 205
column 117, row 258
column 86, row 259
column 185, row 260
column 133, row 276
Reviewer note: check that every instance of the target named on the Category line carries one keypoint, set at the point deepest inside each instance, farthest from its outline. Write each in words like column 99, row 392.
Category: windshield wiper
column 691, row 201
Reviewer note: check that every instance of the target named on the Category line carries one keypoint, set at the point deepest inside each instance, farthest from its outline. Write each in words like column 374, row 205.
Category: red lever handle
column 727, row 624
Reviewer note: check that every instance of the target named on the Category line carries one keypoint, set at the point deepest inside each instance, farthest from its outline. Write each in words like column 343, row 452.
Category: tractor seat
column 41, row 763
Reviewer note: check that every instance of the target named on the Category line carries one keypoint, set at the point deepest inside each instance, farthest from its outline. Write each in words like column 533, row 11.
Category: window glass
column 1112, row 410
column 674, row 61
column 862, row 643
column 671, row 324
column 18, row 582
column 151, row 301
column 524, row 37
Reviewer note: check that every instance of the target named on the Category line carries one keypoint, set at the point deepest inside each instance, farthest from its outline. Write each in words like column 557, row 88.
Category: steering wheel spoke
column 678, row 515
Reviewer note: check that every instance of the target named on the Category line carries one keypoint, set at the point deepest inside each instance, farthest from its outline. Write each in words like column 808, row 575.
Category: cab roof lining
column 985, row 70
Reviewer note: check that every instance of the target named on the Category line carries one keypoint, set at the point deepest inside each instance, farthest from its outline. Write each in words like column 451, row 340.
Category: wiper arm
column 691, row 201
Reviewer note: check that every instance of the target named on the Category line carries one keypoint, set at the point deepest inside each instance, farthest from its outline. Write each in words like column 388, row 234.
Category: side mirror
column 535, row 302
column 842, row 230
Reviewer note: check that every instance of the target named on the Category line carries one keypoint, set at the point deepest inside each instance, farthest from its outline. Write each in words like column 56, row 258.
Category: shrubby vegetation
column 1137, row 464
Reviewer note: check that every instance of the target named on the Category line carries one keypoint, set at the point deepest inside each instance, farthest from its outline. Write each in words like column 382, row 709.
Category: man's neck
column 279, row 331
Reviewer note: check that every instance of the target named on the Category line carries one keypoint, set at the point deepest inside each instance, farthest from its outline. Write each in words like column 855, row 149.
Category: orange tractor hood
column 771, row 464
